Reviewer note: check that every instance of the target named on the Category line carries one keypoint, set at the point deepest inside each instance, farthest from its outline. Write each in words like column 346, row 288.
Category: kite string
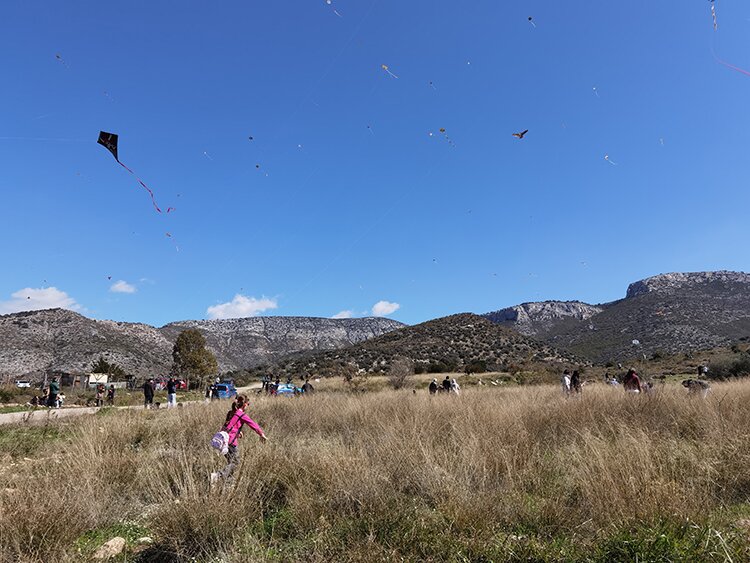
column 153, row 199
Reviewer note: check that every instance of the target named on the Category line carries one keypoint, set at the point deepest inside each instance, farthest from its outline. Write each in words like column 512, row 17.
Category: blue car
column 226, row 390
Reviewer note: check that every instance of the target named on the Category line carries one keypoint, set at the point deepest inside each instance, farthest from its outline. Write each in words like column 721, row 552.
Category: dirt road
column 42, row 415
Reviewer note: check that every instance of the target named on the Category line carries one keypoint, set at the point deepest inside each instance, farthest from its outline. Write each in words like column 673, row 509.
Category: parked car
column 226, row 390
column 287, row 390
column 23, row 384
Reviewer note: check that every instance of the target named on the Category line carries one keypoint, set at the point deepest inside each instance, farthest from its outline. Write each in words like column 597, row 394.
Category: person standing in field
column 235, row 419
column 54, row 391
column 111, row 396
column 575, row 382
column 433, row 387
column 565, row 382
column 171, row 393
column 148, row 393
column 455, row 387
column 632, row 383
column 446, row 384
column 99, row 397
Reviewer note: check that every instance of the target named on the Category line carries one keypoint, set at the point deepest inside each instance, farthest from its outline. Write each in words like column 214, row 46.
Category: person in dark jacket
column 447, row 384
column 433, row 387
column 148, row 393
column 111, row 396
column 54, row 390
column 575, row 382
column 171, row 393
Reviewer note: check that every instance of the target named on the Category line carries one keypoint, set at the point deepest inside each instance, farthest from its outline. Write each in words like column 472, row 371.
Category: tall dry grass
column 509, row 474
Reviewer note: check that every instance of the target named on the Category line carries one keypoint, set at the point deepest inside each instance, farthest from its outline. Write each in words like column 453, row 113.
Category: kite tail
column 153, row 199
column 726, row 64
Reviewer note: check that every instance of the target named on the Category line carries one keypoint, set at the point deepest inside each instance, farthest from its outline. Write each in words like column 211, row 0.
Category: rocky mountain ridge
column 676, row 281
column 667, row 313
column 34, row 341
column 538, row 317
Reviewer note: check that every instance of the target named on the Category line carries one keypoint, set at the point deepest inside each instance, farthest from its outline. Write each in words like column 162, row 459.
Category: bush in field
column 475, row 366
column 399, row 372
column 731, row 367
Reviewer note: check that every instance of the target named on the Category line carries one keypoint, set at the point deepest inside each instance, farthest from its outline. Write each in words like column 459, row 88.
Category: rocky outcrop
column 676, row 282
column 35, row 341
column 32, row 342
column 541, row 317
column 259, row 340
column 665, row 314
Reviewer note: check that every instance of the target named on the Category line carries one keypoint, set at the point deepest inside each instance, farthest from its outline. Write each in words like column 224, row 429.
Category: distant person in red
column 99, row 394
column 632, row 383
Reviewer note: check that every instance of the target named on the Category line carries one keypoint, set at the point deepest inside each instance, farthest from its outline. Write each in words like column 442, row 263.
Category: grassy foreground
column 517, row 474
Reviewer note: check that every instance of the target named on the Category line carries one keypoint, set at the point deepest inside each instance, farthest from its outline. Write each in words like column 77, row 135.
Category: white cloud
column 30, row 299
column 121, row 286
column 241, row 306
column 383, row 308
column 346, row 314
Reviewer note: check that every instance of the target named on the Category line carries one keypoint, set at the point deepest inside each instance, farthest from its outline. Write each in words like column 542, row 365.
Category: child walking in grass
column 236, row 418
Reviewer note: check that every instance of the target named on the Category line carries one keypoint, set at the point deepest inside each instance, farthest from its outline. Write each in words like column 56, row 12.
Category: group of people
column 148, row 393
column 571, row 383
column 270, row 386
column 101, row 390
column 51, row 396
column 447, row 386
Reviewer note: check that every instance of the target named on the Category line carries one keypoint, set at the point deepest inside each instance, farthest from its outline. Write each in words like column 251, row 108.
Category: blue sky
column 354, row 203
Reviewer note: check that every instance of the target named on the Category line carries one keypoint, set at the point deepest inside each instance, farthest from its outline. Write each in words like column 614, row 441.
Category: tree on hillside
column 191, row 357
column 103, row 366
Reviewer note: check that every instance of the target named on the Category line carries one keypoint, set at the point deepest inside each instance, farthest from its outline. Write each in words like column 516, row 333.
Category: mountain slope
column 446, row 343
column 59, row 339
column 258, row 340
column 668, row 313
column 533, row 319
column 34, row 341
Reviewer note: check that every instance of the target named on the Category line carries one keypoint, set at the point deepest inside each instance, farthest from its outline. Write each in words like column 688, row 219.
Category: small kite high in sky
column 531, row 21
column 521, row 134
column 109, row 142
column 385, row 68
column 606, row 157
column 713, row 14
column 447, row 138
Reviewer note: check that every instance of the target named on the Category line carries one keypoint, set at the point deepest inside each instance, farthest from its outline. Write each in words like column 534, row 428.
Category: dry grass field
column 497, row 474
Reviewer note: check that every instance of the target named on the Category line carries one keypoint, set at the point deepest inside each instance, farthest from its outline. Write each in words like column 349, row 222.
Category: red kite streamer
column 109, row 142
column 726, row 64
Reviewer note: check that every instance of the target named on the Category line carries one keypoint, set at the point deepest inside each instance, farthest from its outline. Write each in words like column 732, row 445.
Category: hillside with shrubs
column 462, row 342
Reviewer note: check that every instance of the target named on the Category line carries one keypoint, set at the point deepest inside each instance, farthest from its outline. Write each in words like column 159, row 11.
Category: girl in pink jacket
column 236, row 418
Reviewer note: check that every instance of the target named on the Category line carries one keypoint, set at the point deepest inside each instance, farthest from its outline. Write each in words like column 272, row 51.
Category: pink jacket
column 235, row 423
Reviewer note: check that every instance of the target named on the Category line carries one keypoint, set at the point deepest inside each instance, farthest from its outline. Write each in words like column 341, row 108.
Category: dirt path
column 42, row 415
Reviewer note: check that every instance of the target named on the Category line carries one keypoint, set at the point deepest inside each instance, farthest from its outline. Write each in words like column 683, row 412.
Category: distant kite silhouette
column 521, row 134
column 531, row 21
column 109, row 142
